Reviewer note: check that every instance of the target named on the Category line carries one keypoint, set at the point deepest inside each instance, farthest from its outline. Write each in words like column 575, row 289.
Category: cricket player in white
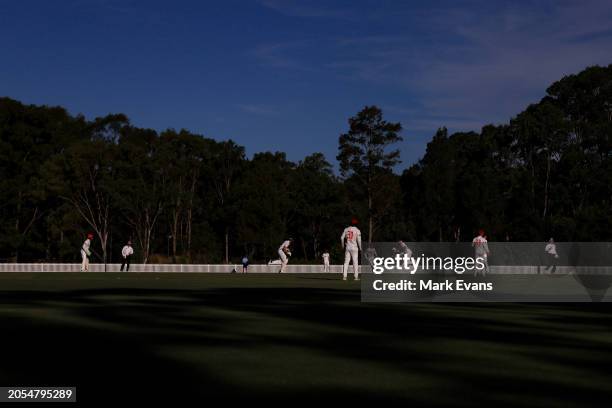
column 325, row 257
column 370, row 254
column 126, row 253
column 481, row 250
column 284, row 252
column 351, row 242
column 552, row 256
column 86, row 253
column 403, row 249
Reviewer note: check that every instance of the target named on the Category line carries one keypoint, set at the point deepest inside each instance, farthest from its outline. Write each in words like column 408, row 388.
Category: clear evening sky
column 286, row 75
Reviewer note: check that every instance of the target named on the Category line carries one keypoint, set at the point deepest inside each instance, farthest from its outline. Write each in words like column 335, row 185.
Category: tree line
column 183, row 197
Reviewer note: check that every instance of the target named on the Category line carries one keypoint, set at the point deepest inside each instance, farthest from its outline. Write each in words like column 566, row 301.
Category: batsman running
column 86, row 253
column 351, row 242
column 285, row 252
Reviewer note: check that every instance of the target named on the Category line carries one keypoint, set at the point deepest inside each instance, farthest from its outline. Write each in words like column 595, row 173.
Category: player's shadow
column 322, row 278
column 161, row 345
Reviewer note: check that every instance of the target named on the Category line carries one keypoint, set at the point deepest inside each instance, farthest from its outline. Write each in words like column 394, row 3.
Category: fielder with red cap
column 481, row 250
column 351, row 242
column 86, row 253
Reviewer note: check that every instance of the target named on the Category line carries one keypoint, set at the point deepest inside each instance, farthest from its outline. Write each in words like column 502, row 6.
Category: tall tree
column 29, row 135
column 84, row 176
column 141, row 187
column 228, row 160
column 265, row 203
column 315, row 196
column 184, row 155
column 96, row 169
column 541, row 134
column 363, row 153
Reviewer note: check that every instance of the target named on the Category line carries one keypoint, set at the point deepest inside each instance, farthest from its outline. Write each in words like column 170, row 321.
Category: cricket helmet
column 90, row 235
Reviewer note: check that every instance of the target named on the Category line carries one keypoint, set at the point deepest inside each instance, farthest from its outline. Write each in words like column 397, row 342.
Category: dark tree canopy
column 364, row 155
column 182, row 197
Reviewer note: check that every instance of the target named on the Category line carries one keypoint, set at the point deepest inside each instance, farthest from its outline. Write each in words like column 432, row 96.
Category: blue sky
column 286, row 75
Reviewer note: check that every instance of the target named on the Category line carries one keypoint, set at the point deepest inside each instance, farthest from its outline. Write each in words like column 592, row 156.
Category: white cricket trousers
column 284, row 260
column 484, row 270
column 348, row 255
column 85, row 263
column 325, row 266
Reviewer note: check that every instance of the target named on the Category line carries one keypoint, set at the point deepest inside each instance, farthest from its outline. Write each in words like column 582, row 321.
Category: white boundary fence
column 259, row 268
column 169, row 268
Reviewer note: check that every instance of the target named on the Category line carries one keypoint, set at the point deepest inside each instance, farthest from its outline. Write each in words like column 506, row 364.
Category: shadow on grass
column 303, row 345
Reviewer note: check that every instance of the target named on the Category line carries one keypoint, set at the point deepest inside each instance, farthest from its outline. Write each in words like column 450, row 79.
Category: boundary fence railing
column 160, row 268
column 264, row 268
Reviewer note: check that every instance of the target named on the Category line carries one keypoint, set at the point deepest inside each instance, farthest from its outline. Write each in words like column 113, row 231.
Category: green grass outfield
column 293, row 339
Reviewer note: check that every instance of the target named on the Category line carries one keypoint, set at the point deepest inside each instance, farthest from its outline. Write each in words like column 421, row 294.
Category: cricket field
column 293, row 339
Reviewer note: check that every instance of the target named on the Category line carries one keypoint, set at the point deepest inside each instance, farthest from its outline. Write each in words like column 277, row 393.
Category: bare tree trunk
column 189, row 223
column 546, row 188
column 103, row 242
column 97, row 218
column 315, row 229
column 17, row 226
column 181, row 242
column 226, row 246
column 370, row 220
column 304, row 249
column 175, row 222
column 144, row 226
column 532, row 165
column 190, row 214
